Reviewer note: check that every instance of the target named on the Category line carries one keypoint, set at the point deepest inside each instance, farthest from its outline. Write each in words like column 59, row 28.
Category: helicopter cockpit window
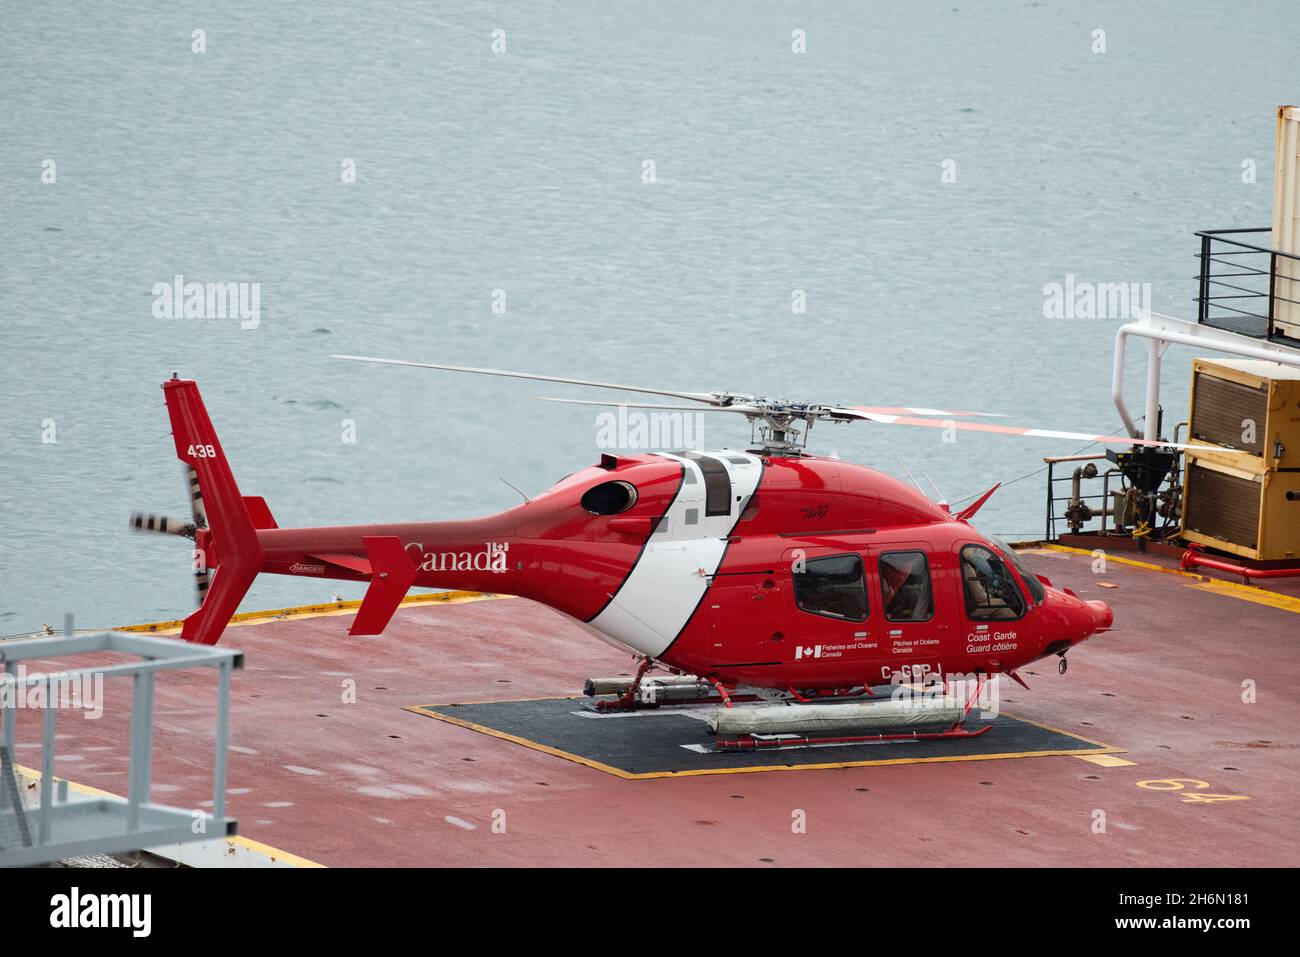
column 905, row 586
column 609, row 498
column 1031, row 582
column 991, row 592
column 831, row 586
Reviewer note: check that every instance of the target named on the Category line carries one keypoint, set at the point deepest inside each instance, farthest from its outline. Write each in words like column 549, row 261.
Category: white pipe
column 1117, row 381
column 1154, row 326
column 1153, row 390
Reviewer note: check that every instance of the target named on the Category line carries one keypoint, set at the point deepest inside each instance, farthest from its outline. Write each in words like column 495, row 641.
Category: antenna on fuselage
column 943, row 500
column 525, row 497
column 911, row 477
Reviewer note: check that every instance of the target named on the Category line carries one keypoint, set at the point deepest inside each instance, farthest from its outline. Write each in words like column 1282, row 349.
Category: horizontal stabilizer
column 392, row 574
column 352, row 563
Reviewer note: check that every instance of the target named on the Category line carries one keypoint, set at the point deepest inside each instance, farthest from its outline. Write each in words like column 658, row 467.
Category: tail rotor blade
column 196, row 499
column 202, row 574
column 161, row 524
column 202, row 579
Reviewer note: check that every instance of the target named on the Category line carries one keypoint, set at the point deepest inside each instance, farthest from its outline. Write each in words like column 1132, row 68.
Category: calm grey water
column 522, row 171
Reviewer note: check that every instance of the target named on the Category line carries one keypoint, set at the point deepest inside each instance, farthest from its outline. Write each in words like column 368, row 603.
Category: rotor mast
column 776, row 427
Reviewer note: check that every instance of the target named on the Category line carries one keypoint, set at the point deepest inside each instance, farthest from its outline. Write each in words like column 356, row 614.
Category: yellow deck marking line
column 256, row 847
column 1107, row 761
column 1105, row 748
column 1261, row 597
column 536, row 746
column 72, row 785
column 293, row 860
column 1250, row 593
column 426, row 710
column 324, row 610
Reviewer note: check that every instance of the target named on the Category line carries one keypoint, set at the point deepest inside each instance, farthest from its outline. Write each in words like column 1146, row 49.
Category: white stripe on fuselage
column 666, row 585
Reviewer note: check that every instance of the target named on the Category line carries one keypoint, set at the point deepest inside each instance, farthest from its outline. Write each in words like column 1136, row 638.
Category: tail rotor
column 202, row 573
column 171, row 525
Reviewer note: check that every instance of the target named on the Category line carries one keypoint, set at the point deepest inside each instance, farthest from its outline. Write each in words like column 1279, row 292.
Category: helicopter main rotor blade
column 908, row 410
column 1031, row 433
column 765, row 409
column 738, row 407
column 693, row 396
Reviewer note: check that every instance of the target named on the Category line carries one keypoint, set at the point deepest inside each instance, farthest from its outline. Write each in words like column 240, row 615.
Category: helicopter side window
column 905, row 586
column 831, row 586
column 717, row 486
column 991, row 592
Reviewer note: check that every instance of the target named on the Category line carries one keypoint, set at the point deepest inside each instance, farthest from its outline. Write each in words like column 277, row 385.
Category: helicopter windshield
column 1029, row 579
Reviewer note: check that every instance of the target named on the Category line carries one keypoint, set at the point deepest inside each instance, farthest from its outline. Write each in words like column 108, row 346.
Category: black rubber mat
column 668, row 742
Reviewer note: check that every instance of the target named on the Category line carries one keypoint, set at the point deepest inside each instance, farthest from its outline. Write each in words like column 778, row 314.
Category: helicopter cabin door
column 914, row 609
column 995, row 611
column 746, row 617
column 830, row 614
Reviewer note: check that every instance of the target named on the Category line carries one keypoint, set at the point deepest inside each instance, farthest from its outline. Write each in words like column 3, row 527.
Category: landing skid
column 774, row 742
column 629, row 699
column 690, row 691
column 647, row 693
column 762, row 730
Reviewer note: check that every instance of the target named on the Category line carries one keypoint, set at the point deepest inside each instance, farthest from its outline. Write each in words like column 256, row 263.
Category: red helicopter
column 791, row 575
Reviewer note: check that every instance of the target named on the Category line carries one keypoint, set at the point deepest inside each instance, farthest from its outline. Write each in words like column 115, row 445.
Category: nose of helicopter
column 1074, row 619
column 1103, row 617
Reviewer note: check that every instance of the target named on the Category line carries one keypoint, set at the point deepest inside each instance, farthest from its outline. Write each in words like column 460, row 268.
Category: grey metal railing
column 75, row 824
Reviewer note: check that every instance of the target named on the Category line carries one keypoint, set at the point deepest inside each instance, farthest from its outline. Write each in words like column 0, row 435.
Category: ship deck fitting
column 1193, row 694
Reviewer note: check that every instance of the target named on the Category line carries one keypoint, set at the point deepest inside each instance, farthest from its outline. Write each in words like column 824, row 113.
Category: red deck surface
column 371, row 784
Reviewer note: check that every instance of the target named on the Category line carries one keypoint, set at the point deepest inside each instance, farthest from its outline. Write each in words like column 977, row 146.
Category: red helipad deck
column 369, row 783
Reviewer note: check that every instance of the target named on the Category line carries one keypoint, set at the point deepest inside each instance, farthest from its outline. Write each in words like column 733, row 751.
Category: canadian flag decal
column 807, row 651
